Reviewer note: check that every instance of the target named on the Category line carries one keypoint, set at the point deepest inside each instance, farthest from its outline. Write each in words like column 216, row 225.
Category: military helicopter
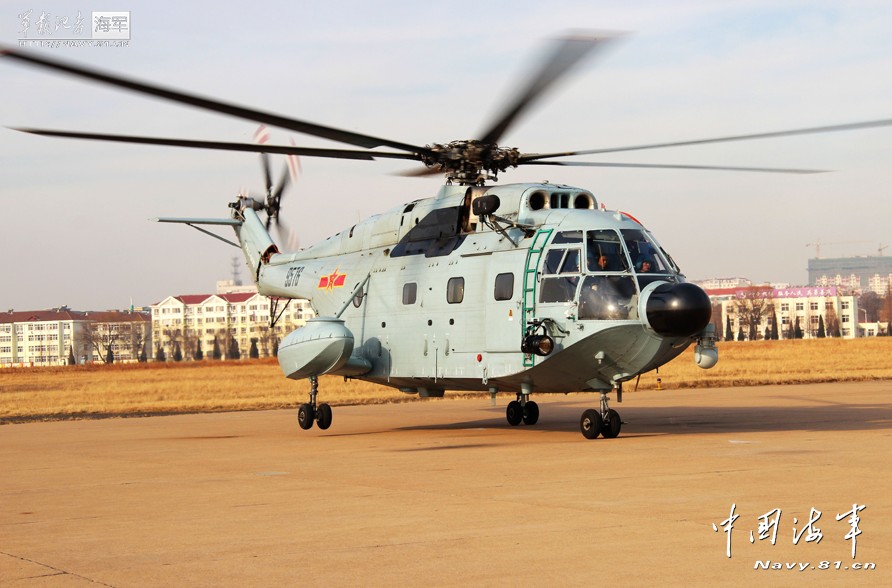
column 519, row 288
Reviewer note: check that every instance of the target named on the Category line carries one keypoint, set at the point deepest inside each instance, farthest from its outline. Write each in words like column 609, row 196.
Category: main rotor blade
column 568, row 52
column 529, row 158
column 224, row 146
column 672, row 166
column 300, row 126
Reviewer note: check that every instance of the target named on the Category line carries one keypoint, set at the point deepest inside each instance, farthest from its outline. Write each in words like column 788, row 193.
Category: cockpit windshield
column 604, row 252
column 605, row 277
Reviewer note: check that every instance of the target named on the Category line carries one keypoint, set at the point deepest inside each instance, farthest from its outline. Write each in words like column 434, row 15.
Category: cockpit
column 603, row 271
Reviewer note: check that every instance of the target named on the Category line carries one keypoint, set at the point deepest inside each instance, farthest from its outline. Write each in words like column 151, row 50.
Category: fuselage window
column 455, row 290
column 410, row 293
column 604, row 252
column 504, row 287
column 608, row 298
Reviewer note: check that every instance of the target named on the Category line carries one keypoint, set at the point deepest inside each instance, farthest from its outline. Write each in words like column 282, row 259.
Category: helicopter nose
column 678, row 310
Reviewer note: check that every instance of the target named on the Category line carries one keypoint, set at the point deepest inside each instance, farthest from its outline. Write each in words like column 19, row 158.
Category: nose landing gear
column 604, row 421
column 522, row 409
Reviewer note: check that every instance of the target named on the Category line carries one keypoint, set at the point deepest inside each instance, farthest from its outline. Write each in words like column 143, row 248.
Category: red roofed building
column 199, row 324
column 55, row 337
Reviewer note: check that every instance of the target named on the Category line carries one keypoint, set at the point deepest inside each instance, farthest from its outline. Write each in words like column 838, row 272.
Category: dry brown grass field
column 96, row 391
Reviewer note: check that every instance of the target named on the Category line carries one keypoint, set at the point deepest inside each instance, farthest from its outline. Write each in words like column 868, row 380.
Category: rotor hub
column 470, row 161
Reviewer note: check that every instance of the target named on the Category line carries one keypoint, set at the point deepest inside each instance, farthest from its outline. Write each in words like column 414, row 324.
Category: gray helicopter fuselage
column 436, row 298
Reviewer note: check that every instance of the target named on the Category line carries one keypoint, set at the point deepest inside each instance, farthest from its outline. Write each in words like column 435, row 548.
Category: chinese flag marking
column 332, row 280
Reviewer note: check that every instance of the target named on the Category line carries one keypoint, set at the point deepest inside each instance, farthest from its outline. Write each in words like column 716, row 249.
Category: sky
column 75, row 226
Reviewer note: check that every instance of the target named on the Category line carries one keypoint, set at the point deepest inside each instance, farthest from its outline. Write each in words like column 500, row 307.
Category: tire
column 514, row 413
column 611, row 425
column 590, row 424
column 531, row 413
column 305, row 416
column 323, row 416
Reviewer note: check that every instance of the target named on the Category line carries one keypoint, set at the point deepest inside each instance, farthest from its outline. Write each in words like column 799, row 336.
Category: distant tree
column 142, row 355
column 752, row 306
column 767, row 333
column 101, row 337
column 789, row 334
column 159, row 354
column 199, row 354
column 821, row 331
column 264, row 342
column 774, row 334
column 797, row 330
column 174, row 337
column 110, row 356
column 715, row 319
column 740, row 335
column 254, row 353
column 872, row 303
column 177, row 352
column 234, row 352
column 216, row 353
column 71, row 360
column 275, row 345
column 832, row 323
column 729, row 332
column 886, row 313
column 190, row 341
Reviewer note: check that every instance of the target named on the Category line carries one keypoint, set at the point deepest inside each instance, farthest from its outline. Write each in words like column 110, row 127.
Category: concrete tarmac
column 444, row 492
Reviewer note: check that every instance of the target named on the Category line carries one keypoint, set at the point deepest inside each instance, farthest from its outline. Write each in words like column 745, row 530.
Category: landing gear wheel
column 514, row 413
column 611, row 425
column 323, row 416
column 590, row 424
column 530, row 413
column 305, row 416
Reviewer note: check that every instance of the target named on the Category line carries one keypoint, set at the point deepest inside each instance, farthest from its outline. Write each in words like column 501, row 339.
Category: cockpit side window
column 561, row 269
column 604, row 252
column 553, row 261
column 562, row 261
column 647, row 257
column 570, row 265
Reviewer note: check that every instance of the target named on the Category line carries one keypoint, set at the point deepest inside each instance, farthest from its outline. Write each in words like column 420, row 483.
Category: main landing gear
column 605, row 421
column 307, row 413
column 522, row 409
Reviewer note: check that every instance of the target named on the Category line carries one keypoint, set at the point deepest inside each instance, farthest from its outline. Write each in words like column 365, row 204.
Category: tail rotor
column 275, row 192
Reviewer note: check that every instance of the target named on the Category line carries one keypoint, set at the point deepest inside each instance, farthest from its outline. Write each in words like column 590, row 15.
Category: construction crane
column 817, row 245
column 881, row 248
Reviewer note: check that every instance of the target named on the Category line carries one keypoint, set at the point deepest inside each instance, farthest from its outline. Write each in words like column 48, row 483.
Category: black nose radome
column 678, row 310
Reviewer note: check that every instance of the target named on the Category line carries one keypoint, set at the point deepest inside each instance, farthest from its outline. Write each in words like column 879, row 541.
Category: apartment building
column 205, row 326
column 60, row 336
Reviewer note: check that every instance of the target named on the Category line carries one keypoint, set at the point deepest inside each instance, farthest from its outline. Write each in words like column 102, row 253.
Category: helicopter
column 528, row 288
